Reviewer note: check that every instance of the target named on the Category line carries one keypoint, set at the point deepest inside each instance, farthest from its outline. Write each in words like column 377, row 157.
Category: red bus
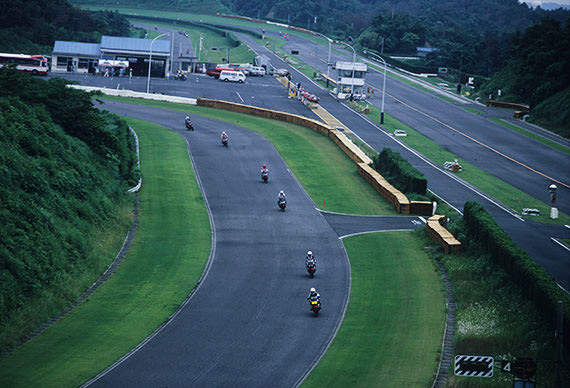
column 35, row 64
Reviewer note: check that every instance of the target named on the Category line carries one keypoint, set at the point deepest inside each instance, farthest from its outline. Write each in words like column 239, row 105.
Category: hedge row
column 399, row 172
column 531, row 277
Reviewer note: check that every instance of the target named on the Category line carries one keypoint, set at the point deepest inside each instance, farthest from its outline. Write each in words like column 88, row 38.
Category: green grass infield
column 392, row 333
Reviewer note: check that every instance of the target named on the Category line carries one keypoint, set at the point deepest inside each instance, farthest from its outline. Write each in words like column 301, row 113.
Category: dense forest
column 32, row 26
column 66, row 167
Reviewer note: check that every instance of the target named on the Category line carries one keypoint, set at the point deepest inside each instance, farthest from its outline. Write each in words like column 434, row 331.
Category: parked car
column 230, row 75
column 255, row 70
column 281, row 72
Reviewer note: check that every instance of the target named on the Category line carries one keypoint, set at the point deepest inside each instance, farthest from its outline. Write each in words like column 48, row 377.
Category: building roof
column 116, row 43
column 77, row 48
column 350, row 66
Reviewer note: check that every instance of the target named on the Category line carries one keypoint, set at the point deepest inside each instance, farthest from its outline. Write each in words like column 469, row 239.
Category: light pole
column 353, row 66
column 150, row 61
column 329, row 59
column 383, row 84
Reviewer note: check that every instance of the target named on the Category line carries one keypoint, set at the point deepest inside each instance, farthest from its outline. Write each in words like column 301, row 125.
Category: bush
column 535, row 283
column 399, row 172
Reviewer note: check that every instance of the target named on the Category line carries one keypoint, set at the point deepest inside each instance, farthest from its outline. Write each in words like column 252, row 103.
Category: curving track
column 248, row 323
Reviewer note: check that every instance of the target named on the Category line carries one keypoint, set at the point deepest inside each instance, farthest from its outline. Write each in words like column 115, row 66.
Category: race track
column 248, row 323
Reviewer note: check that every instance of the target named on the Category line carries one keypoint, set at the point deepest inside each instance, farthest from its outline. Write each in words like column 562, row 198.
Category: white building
column 350, row 80
column 113, row 54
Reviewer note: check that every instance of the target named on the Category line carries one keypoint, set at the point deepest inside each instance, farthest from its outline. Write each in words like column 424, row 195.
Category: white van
column 234, row 76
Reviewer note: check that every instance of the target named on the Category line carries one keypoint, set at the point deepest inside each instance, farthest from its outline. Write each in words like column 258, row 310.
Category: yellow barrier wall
column 437, row 232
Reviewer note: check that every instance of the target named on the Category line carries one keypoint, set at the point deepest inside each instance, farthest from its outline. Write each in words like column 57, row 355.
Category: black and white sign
column 507, row 366
column 474, row 366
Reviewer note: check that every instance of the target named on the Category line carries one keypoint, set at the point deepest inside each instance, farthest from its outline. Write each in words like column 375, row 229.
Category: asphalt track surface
column 426, row 113
column 538, row 240
column 248, row 323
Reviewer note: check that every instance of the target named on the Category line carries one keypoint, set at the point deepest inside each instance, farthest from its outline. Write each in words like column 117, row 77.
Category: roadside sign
column 507, row 366
column 474, row 366
column 524, row 368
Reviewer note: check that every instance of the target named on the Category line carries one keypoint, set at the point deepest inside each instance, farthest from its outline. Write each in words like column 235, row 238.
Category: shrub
column 399, row 172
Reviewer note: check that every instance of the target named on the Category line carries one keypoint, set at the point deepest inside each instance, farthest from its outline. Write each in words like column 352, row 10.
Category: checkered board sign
column 474, row 366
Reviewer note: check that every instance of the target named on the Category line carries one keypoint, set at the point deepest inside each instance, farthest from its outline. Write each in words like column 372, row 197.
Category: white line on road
column 240, row 97
column 560, row 243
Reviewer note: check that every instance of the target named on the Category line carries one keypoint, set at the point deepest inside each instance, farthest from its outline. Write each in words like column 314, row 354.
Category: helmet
column 309, row 253
column 223, row 132
column 313, row 290
column 264, row 166
column 281, row 192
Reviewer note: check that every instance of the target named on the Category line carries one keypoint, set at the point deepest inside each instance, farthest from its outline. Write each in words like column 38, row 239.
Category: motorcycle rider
column 313, row 293
column 187, row 121
column 264, row 171
column 224, row 137
column 281, row 197
column 310, row 259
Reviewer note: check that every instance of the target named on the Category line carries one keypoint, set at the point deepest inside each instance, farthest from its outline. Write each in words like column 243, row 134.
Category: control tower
column 350, row 80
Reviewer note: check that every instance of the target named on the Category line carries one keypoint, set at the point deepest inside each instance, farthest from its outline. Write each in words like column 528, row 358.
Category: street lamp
column 150, row 61
column 353, row 65
column 383, row 84
column 329, row 59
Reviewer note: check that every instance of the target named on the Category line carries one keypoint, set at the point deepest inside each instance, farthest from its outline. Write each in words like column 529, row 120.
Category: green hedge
column 531, row 277
column 399, row 172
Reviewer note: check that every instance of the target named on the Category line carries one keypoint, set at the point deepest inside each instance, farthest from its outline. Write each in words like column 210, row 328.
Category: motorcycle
column 189, row 125
column 315, row 305
column 180, row 77
column 311, row 268
column 282, row 204
column 225, row 141
column 265, row 176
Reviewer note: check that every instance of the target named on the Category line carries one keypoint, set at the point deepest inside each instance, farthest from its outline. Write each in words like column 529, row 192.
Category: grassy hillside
column 63, row 198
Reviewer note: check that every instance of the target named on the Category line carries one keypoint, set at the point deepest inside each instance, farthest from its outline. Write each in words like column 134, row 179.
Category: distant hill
column 29, row 26
column 337, row 18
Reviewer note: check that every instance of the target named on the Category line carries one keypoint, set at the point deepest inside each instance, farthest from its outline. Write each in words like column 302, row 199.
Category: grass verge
column 495, row 319
column 392, row 332
column 532, row 135
column 164, row 263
